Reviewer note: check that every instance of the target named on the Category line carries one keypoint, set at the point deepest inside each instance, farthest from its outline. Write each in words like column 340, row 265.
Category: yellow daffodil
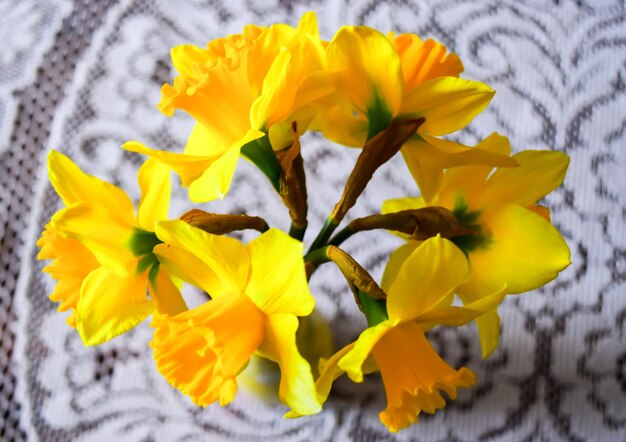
column 412, row 371
column 514, row 242
column 379, row 79
column 102, row 253
column 247, row 93
column 257, row 293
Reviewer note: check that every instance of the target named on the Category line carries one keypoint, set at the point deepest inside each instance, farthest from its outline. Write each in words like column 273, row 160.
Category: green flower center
column 141, row 243
column 375, row 309
column 469, row 219
column 379, row 116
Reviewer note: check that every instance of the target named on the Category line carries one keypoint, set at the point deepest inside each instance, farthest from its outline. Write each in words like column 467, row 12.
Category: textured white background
column 84, row 77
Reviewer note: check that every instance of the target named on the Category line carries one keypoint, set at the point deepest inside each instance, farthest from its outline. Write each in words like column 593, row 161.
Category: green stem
column 341, row 236
column 322, row 237
column 318, row 256
column 297, row 232
column 375, row 310
column 314, row 259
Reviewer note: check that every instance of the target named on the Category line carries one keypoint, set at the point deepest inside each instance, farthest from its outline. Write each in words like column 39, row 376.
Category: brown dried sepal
column 357, row 276
column 293, row 190
column 419, row 224
column 375, row 153
column 220, row 224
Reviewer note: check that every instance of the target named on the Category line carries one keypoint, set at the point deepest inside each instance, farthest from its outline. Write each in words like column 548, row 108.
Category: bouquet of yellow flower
column 476, row 232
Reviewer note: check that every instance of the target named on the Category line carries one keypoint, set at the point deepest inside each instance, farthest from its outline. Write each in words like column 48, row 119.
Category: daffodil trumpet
column 475, row 233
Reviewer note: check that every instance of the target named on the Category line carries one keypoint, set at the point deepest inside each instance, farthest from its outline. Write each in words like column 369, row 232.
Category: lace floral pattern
column 558, row 69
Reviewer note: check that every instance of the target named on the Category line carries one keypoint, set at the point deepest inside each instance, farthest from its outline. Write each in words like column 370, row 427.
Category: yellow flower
column 240, row 89
column 102, row 253
column 382, row 77
column 379, row 79
column 257, row 292
column 412, row 371
column 514, row 244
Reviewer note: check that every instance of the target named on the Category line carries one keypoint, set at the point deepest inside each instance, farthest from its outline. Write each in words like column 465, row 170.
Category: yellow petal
column 396, row 259
column 447, row 104
column 427, row 157
column 276, row 99
column 208, row 175
column 427, row 178
column 414, row 374
column 262, row 53
column 186, row 266
column 433, row 271
column 313, row 96
column 444, row 154
column 496, row 143
column 489, row 332
column 539, row 173
column 458, row 316
column 339, row 124
column 329, row 371
column 215, row 180
column 308, row 24
column 542, row 211
column 226, row 257
column 110, row 305
column 188, row 167
column 424, row 60
column 307, row 70
column 296, row 389
column 352, row 362
column 206, row 142
column 278, row 282
column 367, row 70
column 468, row 182
column 100, row 231
column 400, row 204
column 168, row 298
column 295, row 82
column 156, row 189
column 524, row 252
column 202, row 350
column 75, row 186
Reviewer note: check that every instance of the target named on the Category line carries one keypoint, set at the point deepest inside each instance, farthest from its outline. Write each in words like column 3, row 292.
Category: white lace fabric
column 84, row 77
